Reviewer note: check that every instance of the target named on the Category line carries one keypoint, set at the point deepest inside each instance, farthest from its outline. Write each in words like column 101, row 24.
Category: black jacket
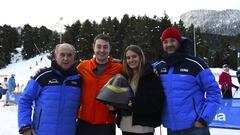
column 148, row 101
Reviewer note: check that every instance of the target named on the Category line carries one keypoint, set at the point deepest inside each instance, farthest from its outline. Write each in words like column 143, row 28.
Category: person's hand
column 117, row 60
column 130, row 103
column 198, row 124
column 110, row 107
column 39, row 70
column 29, row 132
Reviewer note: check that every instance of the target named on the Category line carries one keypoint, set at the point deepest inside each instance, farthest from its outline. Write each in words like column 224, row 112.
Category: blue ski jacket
column 11, row 84
column 56, row 98
column 191, row 91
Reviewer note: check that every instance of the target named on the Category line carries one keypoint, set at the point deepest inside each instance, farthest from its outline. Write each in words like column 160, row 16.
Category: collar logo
column 74, row 82
column 53, row 81
column 163, row 70
column 184, row 70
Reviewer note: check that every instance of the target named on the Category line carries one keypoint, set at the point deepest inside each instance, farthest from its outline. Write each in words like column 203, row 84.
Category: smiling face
column 64, row 56
column 101, row 50
column 170, row 45
column 132, row 59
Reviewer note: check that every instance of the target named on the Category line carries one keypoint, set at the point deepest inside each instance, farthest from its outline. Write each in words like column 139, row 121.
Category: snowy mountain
column 225, row 22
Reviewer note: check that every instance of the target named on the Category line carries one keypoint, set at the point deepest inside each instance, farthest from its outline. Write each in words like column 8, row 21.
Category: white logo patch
column 184, row 70
column 74, row 82
column 53, row 81
column 163, row 70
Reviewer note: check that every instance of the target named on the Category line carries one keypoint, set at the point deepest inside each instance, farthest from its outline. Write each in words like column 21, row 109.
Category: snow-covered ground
column 24, row 69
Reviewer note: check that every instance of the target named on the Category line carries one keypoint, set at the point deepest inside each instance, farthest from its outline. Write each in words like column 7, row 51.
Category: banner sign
column 13, row 97
column 228, row 115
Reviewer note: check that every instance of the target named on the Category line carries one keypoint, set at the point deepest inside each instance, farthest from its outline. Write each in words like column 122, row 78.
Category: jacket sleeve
column 212, row 94
column 29, row 94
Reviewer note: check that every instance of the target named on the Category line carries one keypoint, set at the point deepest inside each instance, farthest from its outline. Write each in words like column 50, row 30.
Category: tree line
column 139, row 30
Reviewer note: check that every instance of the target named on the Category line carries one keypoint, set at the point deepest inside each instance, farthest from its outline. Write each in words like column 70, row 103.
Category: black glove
column 236, row 87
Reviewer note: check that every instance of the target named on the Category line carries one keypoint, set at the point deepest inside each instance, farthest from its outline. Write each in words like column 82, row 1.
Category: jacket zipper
column 195, row 109
column 39, row 119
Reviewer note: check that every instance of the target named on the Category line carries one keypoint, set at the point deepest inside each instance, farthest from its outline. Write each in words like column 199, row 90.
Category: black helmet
column 116, row 92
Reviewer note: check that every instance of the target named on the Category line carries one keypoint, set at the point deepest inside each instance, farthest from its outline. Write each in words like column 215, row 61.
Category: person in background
column 55, row 92
column 225, row 80
column 5, row 85
column 12, row 83
column 94, row 117
column 192, row 95
column 3, row 88
column 1, row 91
column 146, row 105
column 11, row 88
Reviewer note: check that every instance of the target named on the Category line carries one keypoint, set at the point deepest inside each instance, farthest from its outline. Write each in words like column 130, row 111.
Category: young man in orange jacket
column 94, row 117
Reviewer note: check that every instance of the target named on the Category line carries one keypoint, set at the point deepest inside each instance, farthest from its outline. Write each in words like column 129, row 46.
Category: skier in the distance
column 225, row 80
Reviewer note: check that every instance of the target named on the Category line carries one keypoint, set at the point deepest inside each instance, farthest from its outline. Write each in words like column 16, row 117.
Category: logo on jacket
column 74, row 82
column 163, row 70
column 184, row 70
column 53, row 81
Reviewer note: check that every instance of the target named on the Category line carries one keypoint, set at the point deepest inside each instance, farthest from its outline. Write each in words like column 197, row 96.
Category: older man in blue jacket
column 192, row 93
column 56, row 93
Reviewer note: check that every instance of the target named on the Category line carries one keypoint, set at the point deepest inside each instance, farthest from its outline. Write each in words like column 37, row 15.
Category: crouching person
column 56, row 93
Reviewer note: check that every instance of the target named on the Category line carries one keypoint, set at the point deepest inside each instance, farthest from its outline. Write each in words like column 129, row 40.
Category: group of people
column 7, row 87
column 179, row 91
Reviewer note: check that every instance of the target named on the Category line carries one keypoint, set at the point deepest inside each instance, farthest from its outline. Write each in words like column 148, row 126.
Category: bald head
column 64, row 55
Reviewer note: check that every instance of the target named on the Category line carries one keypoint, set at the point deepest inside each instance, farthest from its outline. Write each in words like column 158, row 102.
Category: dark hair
column 103, row 37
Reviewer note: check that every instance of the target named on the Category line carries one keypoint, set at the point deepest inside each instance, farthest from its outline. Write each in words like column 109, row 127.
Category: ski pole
column 40, row 53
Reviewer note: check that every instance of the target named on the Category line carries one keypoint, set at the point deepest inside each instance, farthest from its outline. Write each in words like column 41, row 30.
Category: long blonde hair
column 127, row 70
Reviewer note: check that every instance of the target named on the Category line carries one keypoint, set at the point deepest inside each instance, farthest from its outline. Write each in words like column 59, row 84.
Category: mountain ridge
column 224, row 22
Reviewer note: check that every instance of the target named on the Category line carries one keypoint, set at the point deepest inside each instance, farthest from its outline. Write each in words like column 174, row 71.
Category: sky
column 48, row 12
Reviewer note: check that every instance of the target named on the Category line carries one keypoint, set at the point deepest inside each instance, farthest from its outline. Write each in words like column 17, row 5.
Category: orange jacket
column 93, row 111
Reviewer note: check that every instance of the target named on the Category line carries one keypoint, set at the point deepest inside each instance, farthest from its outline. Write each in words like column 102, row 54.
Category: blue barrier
column 13, row 97
column 228, row 115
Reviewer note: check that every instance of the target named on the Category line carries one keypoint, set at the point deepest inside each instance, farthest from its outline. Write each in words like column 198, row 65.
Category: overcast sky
column 49, row 12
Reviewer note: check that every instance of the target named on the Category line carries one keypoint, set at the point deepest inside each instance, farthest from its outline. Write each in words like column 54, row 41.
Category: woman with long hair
column 145, row 108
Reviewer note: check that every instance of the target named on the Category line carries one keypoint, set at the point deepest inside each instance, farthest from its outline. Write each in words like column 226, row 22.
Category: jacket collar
column 94, row 64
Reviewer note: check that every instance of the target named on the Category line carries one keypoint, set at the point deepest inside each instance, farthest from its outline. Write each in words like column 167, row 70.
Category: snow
column 24, row 69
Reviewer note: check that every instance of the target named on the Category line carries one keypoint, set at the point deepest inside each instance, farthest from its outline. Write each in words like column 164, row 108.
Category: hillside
column 225, row 22
column 24, row 69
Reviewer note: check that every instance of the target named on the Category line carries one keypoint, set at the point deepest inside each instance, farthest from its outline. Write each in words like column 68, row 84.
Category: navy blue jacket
column 57, row 98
